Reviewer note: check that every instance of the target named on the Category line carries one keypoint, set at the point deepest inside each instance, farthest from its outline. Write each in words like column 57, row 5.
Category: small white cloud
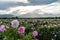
column 53, row 8
column 24, row 1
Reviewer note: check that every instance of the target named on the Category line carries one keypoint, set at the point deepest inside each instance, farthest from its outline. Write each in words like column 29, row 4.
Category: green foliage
column 44, row 32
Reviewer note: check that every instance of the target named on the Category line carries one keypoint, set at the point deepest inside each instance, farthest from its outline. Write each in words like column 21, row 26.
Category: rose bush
column 24, row 30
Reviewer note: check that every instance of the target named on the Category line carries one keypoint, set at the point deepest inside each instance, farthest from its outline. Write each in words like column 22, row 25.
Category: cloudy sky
column 20, row 7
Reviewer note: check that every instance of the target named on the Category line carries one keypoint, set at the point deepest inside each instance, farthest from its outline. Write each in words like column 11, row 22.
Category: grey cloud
column 6, row 15
column 41, row 2
column 5, row 5
column 29, row 15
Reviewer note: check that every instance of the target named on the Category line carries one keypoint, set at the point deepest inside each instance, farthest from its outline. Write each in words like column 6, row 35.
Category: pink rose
column 35, row 33
column 21, row 29
column 15, row 23
column 2, row 28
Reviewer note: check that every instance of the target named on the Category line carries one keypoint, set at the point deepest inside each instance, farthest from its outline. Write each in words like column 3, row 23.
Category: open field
column 48, row 29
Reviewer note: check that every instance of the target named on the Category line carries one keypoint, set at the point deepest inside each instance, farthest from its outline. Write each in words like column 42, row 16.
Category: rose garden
column 29, row 29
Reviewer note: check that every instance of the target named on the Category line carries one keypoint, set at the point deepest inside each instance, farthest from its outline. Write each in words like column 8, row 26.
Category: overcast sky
column 26, row 6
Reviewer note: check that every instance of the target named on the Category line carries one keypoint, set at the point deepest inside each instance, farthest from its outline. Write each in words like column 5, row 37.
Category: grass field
column 48, row 29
